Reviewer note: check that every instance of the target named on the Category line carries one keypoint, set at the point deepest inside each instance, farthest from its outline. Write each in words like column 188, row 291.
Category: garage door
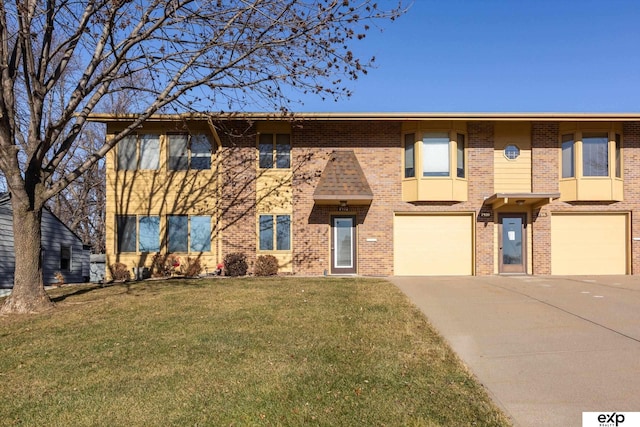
column 433, row 245
column 589, row 244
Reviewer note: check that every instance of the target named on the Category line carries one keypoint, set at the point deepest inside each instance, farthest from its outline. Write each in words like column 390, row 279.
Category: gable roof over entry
column 343, row 181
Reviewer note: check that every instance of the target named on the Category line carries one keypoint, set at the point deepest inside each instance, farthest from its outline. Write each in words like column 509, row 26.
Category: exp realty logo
column 610, row 419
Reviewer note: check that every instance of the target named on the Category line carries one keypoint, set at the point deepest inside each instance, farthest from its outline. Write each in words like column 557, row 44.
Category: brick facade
column 379, row 148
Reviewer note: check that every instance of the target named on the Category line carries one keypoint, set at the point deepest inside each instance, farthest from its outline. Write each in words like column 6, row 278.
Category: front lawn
column 223, row 351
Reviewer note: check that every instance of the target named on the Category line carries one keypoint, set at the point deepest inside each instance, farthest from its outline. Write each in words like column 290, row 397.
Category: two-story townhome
column 381, row 193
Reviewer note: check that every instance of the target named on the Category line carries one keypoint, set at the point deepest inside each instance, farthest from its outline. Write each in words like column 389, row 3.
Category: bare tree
column 212, row 55
column 81, row 206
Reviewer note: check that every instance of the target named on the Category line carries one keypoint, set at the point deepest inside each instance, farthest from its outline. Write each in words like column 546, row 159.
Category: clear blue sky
column 501, row 56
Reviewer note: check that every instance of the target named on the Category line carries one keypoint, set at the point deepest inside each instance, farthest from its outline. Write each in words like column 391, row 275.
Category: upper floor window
column 435, row 154
column 189, row 152
column 593, row 152
column 139, row 152
column 434, row 162
column 618, row 154
column 274, row 150
column 438, row 153
column 511, row 152
column 460, row 145
column 568, row 156
column 409, row 155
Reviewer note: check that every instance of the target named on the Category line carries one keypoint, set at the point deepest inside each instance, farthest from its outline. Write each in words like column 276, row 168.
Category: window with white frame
column 275, row 232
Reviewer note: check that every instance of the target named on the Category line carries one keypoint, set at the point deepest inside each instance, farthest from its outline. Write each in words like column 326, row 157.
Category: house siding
column 54, row 235
column 7, row 258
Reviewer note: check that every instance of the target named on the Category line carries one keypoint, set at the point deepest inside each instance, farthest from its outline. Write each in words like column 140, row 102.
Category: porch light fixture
column 343, row 203
column 520, row 202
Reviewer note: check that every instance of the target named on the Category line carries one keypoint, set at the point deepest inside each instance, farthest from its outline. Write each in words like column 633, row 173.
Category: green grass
column 241, row 352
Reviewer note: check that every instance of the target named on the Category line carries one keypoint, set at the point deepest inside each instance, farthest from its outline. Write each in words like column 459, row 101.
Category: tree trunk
column 28, row 295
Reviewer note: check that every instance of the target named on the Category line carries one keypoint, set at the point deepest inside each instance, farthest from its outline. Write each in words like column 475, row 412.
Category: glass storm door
column 513, row 243
column 343, row 245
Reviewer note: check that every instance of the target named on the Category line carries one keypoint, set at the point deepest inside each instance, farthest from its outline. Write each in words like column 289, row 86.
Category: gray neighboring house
column 62, row 249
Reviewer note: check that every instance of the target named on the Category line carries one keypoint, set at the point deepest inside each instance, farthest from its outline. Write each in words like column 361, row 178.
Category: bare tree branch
column 63, row 60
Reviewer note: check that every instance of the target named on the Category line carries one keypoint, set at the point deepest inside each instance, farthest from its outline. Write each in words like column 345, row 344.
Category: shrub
column 158, row 268
column 266, row 265
column 235, row 264
column 119, row 271
column 163, row 265
column 192, row 267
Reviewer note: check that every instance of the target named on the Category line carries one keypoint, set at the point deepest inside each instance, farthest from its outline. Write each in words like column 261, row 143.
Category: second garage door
column 433, row 245
column 589, row 244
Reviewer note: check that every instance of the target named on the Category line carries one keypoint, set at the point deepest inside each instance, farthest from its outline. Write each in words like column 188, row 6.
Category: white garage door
column 430, row 245
column 589, row 244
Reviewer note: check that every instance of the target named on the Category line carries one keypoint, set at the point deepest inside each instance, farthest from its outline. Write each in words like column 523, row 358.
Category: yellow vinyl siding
column 429, row 245
column 589, row 243
column 512, row 176
column 160, row 192
column 274, row 195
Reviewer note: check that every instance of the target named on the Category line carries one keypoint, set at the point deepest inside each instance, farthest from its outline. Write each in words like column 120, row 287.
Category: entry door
column 343, row 245
column 513, row 244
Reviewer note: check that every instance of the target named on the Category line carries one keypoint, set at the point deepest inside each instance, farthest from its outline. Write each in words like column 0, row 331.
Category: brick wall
column 378, row 147
column 545, row 170
column 481, row 185
column 631, row 174
column 238, row 227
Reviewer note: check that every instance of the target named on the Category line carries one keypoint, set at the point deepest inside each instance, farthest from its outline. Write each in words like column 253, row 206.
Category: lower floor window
column 126, row 225
column 184, row 233
column 275, row 232
column 149, row 234
column 189, row 234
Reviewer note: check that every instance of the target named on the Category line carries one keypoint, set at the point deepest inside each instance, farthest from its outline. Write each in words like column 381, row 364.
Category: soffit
column 536, row 200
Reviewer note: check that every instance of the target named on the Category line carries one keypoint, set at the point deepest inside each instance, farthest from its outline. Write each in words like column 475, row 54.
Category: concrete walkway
column 547, row 348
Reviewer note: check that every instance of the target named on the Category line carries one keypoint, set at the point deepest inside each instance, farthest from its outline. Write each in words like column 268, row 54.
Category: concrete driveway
column 546, row 347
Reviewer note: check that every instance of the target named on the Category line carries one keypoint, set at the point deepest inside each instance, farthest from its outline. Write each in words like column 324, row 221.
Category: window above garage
column 434, row 164
column 591, row 164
